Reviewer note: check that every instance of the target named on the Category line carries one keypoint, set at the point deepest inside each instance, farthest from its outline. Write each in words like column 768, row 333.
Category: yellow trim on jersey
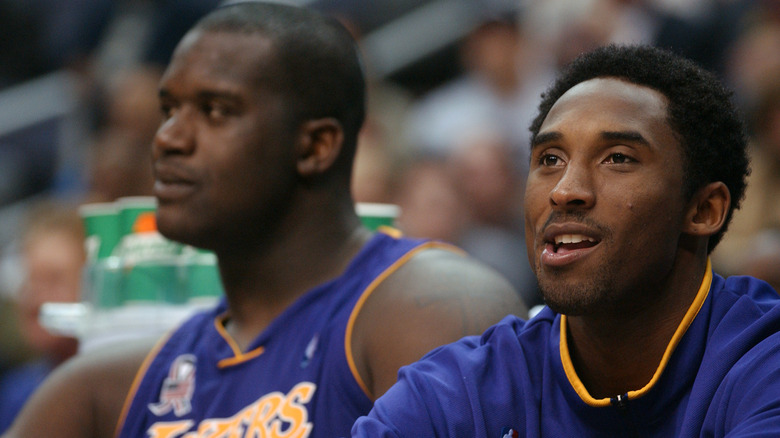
column 139, row 375
column 390, row 231
column 370, row 289
column 238, row 355
column 693, row 310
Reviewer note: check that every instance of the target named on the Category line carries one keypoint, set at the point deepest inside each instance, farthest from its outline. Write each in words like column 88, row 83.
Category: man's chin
column 176, row 232
column 572, row 300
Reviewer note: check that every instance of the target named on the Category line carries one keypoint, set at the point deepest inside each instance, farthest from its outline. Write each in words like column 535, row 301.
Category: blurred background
column 453, row 85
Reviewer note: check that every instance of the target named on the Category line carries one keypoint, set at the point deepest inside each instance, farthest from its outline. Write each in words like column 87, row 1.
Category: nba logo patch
column 508, row 432
column 177, row 389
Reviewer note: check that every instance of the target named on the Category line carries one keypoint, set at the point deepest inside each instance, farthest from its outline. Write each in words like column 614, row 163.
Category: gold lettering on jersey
column 274, row 415
column 162, row 430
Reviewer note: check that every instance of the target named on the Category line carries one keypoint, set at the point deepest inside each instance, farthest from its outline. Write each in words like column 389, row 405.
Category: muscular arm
column 83, row 397
column 436, row 298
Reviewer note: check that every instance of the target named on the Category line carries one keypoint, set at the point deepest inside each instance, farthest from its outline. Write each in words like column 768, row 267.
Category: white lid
column 377, row 209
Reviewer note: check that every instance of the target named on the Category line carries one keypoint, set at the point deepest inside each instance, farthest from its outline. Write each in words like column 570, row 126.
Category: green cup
column 375, row 215
column 136, row 223
column 101, row 226
column 152, row 270
column 141, row 242
column 152, row 283
column 136, row 214
column 203, row 281
column 103, row 288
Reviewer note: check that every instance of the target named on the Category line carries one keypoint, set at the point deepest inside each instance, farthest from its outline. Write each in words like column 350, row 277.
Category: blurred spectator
column 487, row 175
column 491, row 184
column 478, row 125
column 753, row 60
column 700, row 30
column 120, row 162
column 761, row 207
column 566, row 28
column 374, row 169
column 499, row 89
column 472, row 198
column 13, row 349
column 430, row 204
column 381, row 150
column 763, row 261
column 52, row 254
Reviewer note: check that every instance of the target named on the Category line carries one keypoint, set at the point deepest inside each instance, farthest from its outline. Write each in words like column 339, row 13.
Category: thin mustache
column 577, row 217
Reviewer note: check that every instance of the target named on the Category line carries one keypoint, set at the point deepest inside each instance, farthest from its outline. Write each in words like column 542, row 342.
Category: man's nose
column 574, row 189
column 175, row 135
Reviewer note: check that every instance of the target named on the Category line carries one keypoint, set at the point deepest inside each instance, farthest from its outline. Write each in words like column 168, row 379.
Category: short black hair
column 318, row 61
column 700, row 111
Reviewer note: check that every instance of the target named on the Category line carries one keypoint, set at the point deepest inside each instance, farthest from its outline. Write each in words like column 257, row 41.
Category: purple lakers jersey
column 297, row 379
column 719, row 378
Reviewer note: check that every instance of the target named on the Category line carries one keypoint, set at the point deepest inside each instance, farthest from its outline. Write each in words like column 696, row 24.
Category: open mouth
column 571, row 242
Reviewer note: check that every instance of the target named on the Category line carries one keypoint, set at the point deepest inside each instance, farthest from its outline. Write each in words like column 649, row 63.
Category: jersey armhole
column 368, row 291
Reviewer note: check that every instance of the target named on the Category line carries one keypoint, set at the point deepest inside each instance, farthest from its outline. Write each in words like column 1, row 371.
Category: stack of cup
column 149, row 261
column 101, row 224
column 131, row 263
column 374, row 216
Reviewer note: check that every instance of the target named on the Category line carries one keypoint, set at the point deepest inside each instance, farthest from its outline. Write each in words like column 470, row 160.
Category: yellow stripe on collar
column 693, row 310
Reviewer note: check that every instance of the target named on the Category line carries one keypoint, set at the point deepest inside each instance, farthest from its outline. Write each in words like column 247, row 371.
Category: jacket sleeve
column 430, row 398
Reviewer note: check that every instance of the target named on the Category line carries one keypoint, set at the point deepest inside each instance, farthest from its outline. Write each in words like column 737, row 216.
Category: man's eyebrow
column 545, row 137
column 204, row 95
column 627, row 136
column 227, row 95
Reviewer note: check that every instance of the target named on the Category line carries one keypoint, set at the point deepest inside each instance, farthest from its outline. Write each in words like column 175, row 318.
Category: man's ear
column 319, row 144
column 708, row 210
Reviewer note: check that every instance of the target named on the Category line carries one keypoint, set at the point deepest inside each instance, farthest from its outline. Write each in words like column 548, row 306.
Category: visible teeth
column 572, row 238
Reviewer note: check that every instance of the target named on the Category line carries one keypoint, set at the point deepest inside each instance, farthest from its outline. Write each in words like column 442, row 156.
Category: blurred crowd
column 78, row 109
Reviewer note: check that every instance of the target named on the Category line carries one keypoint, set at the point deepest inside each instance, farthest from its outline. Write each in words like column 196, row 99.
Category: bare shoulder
column 437, row 297
column 441, row 275
column 84, row 396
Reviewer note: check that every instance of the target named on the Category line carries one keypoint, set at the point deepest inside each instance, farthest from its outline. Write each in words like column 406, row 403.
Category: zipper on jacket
column 620, row 402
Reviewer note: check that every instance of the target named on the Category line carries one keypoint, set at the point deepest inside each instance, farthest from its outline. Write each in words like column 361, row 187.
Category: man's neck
column 620, row 352
column 261, row 285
